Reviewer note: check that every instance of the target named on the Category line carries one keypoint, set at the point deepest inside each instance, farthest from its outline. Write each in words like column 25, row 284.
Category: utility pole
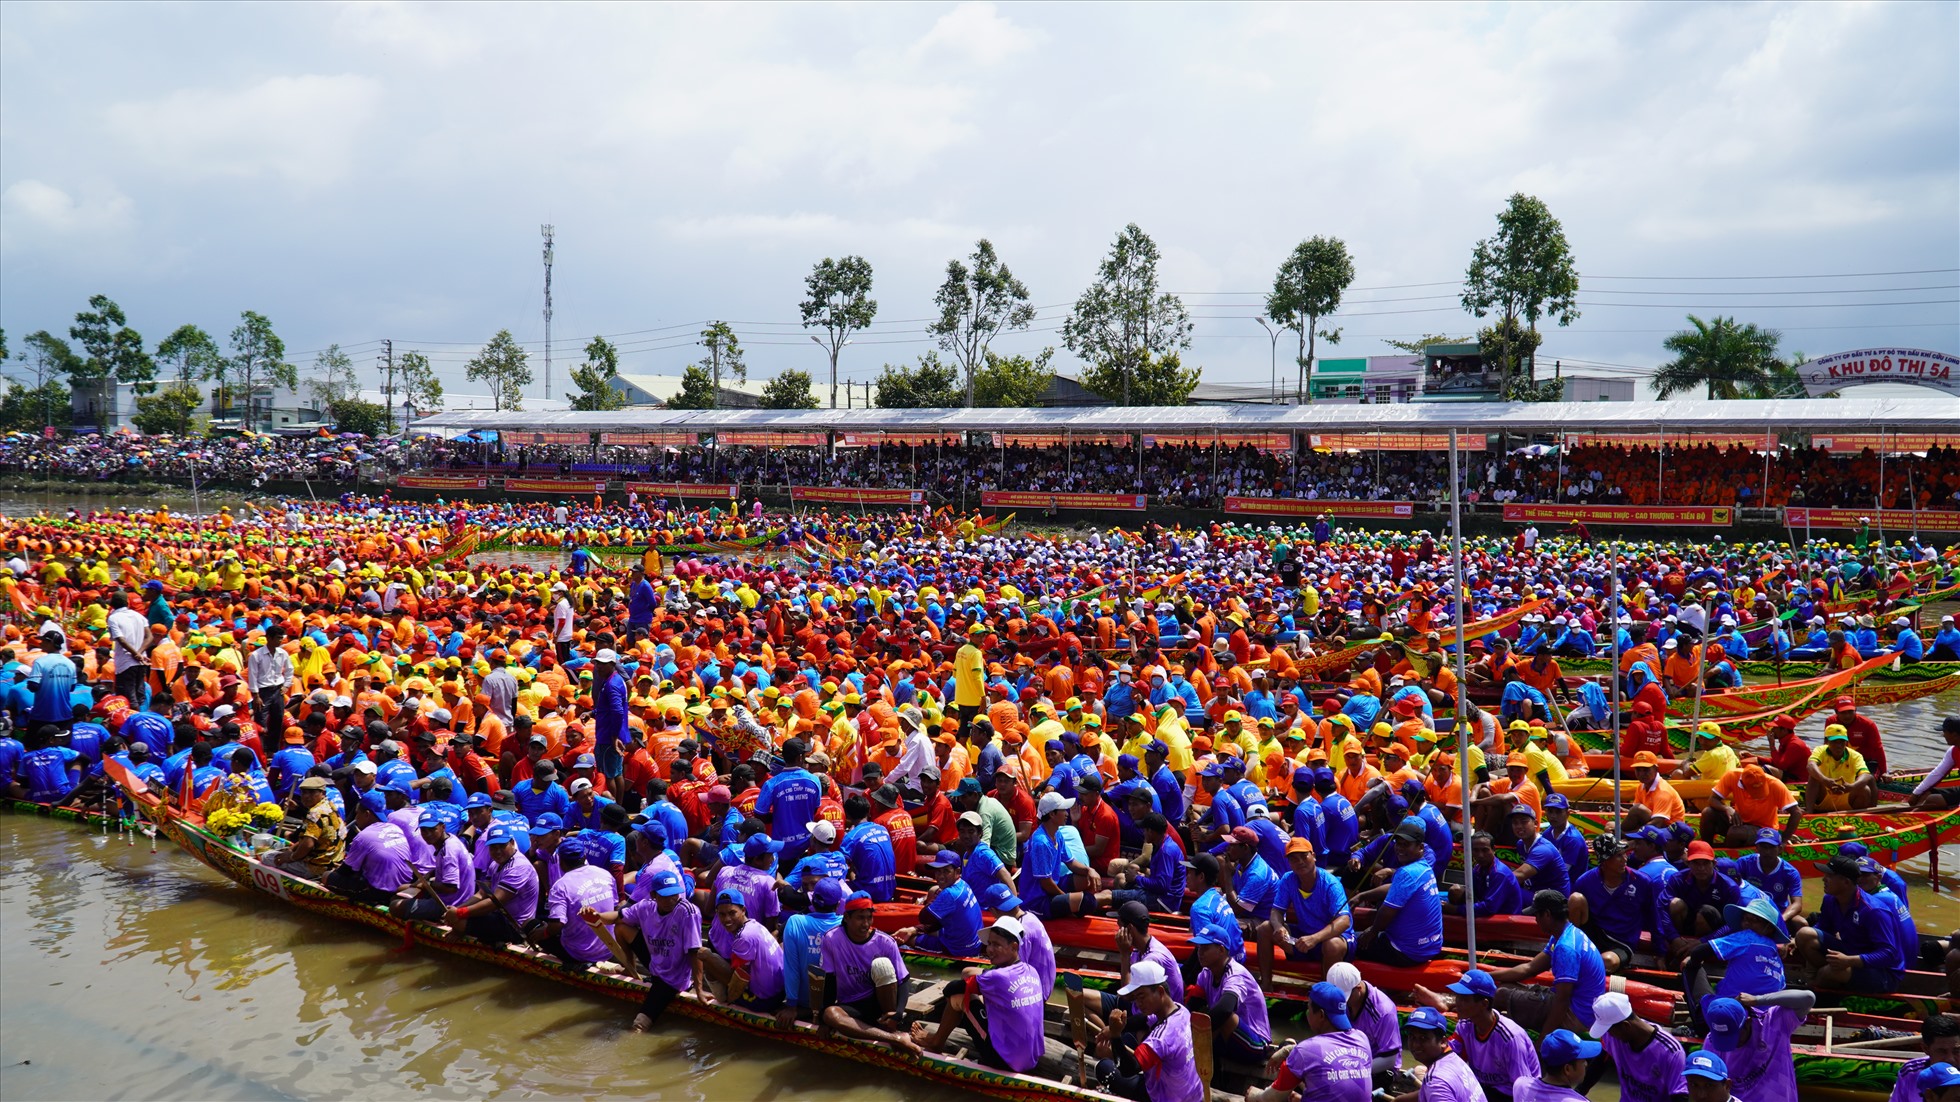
column 546, row 230
column 387, row 358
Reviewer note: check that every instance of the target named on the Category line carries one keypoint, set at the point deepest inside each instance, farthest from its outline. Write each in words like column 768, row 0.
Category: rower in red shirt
column 1096, row 822
column 1864, row 734
column 1790, row 757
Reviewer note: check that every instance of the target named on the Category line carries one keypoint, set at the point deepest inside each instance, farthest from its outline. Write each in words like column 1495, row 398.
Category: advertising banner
column 1765, row 441
column 1300, row 507
column 724, row 490
column 851, row 495
column 1900, row 520
column 1393, row 441
column 443, row 482
column 1881, row 365
column 650, row 439
column 1031, row 499
column 554, row 486
column 897, row 439
column 1692, row 515
column 1264, row 441
column 550, row 438
column 1854, row 442
column 772, row 439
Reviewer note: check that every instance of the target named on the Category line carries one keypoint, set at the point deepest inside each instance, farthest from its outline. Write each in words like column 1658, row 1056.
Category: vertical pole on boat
column 1660, row 470
column 1878, row 514
column 1462, row 727
column 1613, row 625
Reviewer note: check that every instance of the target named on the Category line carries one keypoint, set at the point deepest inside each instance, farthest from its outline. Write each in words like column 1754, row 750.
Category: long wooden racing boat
column 1794, row 670
column 949, row 1071
column 1892, row 836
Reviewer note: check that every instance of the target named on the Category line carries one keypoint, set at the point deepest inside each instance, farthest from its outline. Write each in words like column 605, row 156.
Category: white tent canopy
column 1930, row 413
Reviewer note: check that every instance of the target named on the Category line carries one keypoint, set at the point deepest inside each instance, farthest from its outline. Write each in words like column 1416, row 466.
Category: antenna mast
column 546, row 230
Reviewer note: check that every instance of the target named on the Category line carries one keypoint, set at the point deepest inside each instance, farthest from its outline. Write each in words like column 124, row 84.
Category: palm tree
column 1732, row 360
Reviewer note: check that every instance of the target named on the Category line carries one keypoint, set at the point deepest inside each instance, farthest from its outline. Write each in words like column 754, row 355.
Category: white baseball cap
column 1052, row 802
column 609, row 656
column 1144, row 973
column 581, row 785
column 822, row 831
column 1610, row 1010
column 1009, row 925
column 364, row 766
column 1344, row 976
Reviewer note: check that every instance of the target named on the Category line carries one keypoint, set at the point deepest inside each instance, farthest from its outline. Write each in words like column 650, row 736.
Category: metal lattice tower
column 546, row 230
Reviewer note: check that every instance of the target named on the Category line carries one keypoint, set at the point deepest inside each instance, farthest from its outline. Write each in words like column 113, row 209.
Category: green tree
column 789, row 390
column 977, row 304
column 258, row 358
column 837, row 299
column 192, row 354
column 172, row 409
column 698, row 390
column 1013, row 382
column 332, row 379
column 1417, row 346
column 1522, row 273
column 1727, row 359
column 1308, row 287
column 113, row 352
column 506, row 367
column 724, row 353
column 355, row 415
column 1157, row 381
column 30, row 408
column 929, row 384
column 1123, row 323
column 419, row 385
column 593, row 378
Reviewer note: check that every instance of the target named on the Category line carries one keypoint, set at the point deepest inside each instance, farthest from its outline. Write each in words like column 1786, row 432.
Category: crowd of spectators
column 1189, row 475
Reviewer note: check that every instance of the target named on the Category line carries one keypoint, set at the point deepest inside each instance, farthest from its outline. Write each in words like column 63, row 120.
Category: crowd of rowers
column 727, row 793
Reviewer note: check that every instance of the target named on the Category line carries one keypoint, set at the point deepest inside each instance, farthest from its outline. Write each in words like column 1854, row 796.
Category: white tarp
column 1882, row 365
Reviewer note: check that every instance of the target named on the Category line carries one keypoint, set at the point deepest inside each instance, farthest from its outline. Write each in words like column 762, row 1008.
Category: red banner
column 1299, row 507
column 554, row 486
column 1897, row 520
column 1854, row 443
column 650, row 439
column 1034, row 499
column 443, row 482
column 1264, row 441
column 550, row 438
column 682, row 489
column 771, row 439
column 1697, row 515
column 1060, row 439
column 897, row 439
column 1394, row 441
column 851, row 495
column 1756, row 441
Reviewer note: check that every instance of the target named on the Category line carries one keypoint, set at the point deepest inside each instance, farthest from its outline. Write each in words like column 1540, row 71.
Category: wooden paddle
column 1201, row 1048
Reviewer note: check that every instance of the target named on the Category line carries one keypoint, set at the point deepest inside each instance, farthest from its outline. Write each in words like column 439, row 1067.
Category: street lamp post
column 1273, row 363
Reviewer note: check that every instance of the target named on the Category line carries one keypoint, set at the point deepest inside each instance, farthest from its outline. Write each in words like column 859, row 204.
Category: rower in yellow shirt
column 1539, row 758
column 1712, row 758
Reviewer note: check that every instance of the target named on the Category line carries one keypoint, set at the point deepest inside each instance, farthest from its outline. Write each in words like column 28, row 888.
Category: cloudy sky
column 366, row 171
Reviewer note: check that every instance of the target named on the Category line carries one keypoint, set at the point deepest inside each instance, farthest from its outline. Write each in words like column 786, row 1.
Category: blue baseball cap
column 1157, row 746
column 1562, row 1046
column 760, row 845
column 1769, row 836
column 1323, row 774
column 1212, row 769
column 654, row 831
column 1427, row 1018
column 1126, row 761
column 1412, row 787
column 1854, row 849
column 1397, row 805
column 403, row 785
column 477, row 799
column 499, row 835
column 1000, row 897
column 1329, row 1000
column 1725, row 1019
column 829, row 892
column 546, row 823
column 1682, row 831
column 1557, row 800
column 667, row 883
column 730, row 895
column 1476, row 983
column 1934, row 1077
column 1706, row 1065
column 430, row 818
column 946, row 859
column 1206, row 935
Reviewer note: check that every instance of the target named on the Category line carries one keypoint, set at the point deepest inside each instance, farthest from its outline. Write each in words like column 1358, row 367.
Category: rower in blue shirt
column 1164, row 782
column 1775, row 877
column 1907, row 641
column 1855, row 943
column 1343, row 825
column 1946, row 643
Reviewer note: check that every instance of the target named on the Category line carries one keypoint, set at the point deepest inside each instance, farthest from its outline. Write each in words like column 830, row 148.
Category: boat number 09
column 267, row 880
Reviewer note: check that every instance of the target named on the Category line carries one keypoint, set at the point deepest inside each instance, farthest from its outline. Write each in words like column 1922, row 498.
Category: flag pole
column 1462, row 726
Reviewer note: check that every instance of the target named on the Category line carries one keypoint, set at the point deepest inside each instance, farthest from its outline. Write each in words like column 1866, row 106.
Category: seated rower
column 445, row 878
column 1752, row 952
column 1330, row 1065
column 1578, row 971
column 506, row 896
column 1614, row 904
column 1160, row 1065
column 1226, row 990
column 1449, row 1078
column 669, row 925
column 322, row 840
column 1373, row 1015
column 950, row 921
column 744, row 956
column 1838, row 778
column 1310, row 919
column 379, row 861
column 1497, row 888
column 1408, row 926
column 1929, row 796
column 1752, row 1036
column 803, row 945
column 1768, row 871
column 1562, row 1066
column 1854, row 944
column 1497, row 1048
column 1135, row 945
column 1697, row 898
column 1036, row 947
column 858, row 984
column 582, row 883
column 1001, row 1005
column 1649, row 1060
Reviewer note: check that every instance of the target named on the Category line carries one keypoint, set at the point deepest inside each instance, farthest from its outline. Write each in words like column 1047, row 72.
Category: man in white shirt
column 916, row 754
column 561, row 620
column 268, row 674
column 129, row 636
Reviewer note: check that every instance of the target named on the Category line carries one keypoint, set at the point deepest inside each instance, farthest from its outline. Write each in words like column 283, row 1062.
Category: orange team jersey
column 1662, row 800
column 1367, row 679
column 493, row 731
column 1528, row 792
column 1541, row 678
column 1449, row 795
column 1355, row 785
column 1758, row 810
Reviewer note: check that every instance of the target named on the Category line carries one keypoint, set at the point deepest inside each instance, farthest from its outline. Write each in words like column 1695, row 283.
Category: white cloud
column 975, row 32
column 34, row 211
column 419, row 30
column 303, row 129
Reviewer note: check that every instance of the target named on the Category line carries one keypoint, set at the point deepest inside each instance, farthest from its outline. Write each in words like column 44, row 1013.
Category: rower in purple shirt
column 1136, row 945
column 1497, row 1049
column 746, row 959
column 1562, row 1059
column 1426, row 1037
column 1649, row 1059
column 1162, row 1066
column 1001, row 1005
column 1232, row 996
column 1332, row 1063
column 1752, row 1035
column 1373, row 1014
column 377, row 864
column 506, row 898
column 583, row 882
column 1939, row 1039
column 448, row 876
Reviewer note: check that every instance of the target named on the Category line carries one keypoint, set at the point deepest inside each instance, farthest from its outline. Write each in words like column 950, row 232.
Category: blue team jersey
column 789, row 801
column 1755, row 966
column 1417, row 929
column 1781, row 884
column 1317, row 907
column 1575, row 960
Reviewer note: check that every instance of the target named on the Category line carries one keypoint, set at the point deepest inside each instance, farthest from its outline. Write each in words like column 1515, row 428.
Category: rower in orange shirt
column 1356, row 775
column 1655, row 798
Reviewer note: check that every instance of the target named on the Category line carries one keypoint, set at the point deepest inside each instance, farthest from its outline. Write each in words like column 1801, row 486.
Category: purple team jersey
column 1333, row 1067
column 756, row 947
column 1376, row 1021
column 1450, row 1080
column 1170, row 1072
column 1038, row 951
column 1015, row 999
column 1651, row 1074
column 1252, row 1001
column 520, row 879
column 1157, row 951
column 1503, row 1057
column 669, row 937
column 758, row 887
column 850, row 962
column 1530, row 1088
column 585, row 886
column 1760, row 1069
column 381, row 855
column 452, row 866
